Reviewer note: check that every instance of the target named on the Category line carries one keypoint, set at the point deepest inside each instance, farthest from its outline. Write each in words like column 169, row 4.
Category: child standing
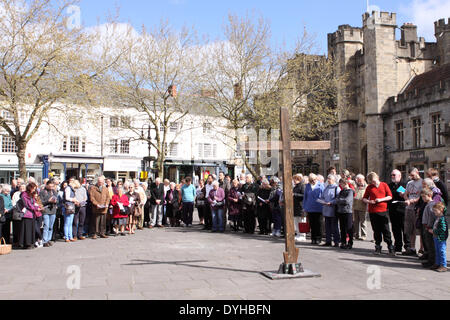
column 440, row 232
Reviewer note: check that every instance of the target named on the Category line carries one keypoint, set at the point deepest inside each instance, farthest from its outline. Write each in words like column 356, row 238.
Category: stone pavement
column 188, row 263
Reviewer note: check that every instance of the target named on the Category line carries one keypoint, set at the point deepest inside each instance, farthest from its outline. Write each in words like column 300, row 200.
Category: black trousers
column 428, row 245
column 78, row 222
column 315, row 221
column 346, row 227
column 6, row 231
column 380, row 226
column 201, row 212
column 188, row 210
column 37, row 228
column 249, row 219
column 208, row 217
column 398, row 229
column 147, row 213
column 264, row 219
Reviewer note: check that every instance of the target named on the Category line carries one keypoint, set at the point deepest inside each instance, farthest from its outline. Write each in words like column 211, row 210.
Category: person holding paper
column 377, row 197
column 412, row 197
column 99, row 196
column 120, row 205
column 397, row 211
column 328, row 200
column 263, row 208
column 313, row 191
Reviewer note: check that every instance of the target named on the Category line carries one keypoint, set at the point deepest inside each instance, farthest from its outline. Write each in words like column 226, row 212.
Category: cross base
column 290, row 271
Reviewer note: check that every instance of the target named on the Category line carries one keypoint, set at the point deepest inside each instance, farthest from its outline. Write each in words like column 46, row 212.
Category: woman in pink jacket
column 31, row 210
column 216, row 200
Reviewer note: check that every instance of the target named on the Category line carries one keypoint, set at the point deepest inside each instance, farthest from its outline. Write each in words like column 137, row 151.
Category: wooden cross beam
column 292, row 253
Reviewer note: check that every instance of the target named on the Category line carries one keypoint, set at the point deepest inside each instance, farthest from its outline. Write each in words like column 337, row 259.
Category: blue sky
column 287, row 17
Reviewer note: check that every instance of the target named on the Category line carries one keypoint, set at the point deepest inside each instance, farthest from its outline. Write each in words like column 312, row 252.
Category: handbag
column 304, row 226
column 220, row 204
column 2, row 218
column 70, row 207
column 200, row 203
column 5, row 248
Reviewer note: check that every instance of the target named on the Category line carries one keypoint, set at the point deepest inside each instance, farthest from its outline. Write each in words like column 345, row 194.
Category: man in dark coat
column 249, row 191
column 157, row 202
column 397, row 211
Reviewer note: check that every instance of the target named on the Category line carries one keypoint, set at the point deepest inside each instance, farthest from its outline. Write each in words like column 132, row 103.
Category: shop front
column 177, row 171
column 10, row 172
column 122, row 168
column 65, row 167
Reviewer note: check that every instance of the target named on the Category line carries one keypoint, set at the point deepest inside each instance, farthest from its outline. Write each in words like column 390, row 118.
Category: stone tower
column 343, row 46
column 442, row 32
column 380, row 80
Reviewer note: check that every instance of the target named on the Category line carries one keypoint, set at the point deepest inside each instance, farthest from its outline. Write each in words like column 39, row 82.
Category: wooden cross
column 292, row 252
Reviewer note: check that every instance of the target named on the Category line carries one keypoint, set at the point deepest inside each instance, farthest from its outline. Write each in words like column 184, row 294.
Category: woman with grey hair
column 313, row 191
column 172, row 200
column 328, row 197
column 275, row 206
column 216, row 200
column 120, row 205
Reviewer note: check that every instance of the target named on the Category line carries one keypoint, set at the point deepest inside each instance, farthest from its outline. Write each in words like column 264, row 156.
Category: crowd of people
column 336, row 210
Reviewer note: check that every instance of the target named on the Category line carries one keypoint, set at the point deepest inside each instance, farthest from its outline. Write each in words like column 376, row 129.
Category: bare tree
column 44, row 63
column 251, row 81
column 157, row 78
column 237, row 70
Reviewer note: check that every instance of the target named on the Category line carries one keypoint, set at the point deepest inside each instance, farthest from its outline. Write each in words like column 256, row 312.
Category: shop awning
column 74, row 159
column 12, row 167
column 123, row 164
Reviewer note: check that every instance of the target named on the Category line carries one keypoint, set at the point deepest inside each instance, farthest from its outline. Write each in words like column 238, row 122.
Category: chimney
column 409, row 33
column 173, row 91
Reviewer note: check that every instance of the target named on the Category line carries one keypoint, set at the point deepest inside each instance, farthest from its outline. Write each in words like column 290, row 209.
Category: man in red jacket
column 377, row 197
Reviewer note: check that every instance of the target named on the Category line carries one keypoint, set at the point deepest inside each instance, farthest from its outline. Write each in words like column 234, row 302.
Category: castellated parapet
column 418, row 97
column 379, row 18
column 346, row 33
column 441, row 26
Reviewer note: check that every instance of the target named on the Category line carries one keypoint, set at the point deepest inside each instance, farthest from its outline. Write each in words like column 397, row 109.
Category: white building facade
column 84, row 144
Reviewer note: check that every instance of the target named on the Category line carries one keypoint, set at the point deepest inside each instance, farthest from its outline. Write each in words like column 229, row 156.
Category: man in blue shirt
column 188, row 194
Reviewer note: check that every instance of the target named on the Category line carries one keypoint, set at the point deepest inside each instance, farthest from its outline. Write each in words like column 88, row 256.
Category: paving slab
column 181, row 263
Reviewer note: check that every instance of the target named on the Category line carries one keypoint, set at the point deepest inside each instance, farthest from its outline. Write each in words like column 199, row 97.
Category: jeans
column 68, row 226
column 441, row 252
column 332, row 230
column 217, row 219
column 157, row 215
column 49, row 221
